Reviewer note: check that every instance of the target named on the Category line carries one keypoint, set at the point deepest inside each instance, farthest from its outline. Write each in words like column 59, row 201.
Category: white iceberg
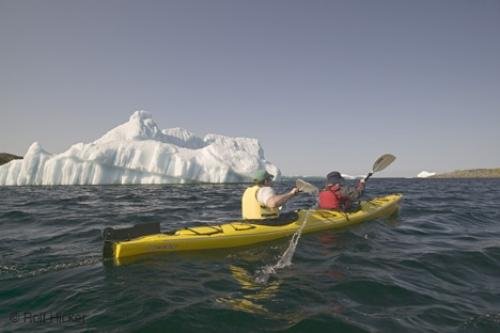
column 138, row 152
column 425, row 174
column 346, row 176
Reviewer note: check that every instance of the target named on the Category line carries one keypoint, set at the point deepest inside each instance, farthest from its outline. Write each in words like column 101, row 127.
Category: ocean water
column 435, row 267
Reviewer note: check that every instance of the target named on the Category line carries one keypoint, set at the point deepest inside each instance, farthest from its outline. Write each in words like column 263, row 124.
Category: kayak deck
column 145, row 239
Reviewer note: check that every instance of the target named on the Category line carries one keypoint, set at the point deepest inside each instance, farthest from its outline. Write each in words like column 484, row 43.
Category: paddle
column 306, row 187
column 380, row 164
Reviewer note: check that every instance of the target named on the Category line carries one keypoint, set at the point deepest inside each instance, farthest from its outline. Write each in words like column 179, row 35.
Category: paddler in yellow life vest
column 260, row 201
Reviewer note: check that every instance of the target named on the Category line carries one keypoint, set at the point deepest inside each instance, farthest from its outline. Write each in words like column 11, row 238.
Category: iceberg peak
column 140, row 114
column 140, row 126
column 34, row 148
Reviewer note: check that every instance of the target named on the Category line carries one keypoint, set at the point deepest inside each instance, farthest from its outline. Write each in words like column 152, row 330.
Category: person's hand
column 294, row 191
column 362, row 180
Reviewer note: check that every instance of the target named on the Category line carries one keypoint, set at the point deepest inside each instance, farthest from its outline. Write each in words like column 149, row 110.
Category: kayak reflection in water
column 260, row 201
column 337, row 195
column 253, row 296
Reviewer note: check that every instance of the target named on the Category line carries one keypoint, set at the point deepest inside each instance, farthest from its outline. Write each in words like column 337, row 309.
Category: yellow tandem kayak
column 147, row 238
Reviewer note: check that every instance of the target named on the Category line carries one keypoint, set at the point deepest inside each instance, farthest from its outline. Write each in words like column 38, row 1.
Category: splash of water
column 263, row 274
column 12, row 272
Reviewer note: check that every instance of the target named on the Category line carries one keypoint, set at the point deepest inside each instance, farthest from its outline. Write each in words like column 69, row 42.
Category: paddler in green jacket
column 260, row 201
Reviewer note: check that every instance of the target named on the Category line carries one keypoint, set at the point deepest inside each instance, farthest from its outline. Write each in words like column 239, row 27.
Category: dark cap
column 334, row 177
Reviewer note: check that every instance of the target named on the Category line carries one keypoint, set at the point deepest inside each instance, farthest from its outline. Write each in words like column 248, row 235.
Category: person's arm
column 353, row 193
column 279, row 199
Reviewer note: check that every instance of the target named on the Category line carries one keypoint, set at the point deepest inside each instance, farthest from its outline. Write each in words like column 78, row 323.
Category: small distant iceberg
column 425, row 174
column 346, row 176
column 139, row 152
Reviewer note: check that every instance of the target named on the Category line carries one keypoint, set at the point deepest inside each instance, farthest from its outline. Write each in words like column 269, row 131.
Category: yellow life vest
column 252, row 209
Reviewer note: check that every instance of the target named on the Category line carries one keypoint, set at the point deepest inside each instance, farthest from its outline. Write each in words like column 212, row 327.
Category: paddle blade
column 383, row 162
column 304, row 186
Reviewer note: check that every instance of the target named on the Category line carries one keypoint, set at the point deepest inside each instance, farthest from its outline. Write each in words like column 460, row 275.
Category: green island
column 5, row 157
column 471, row 173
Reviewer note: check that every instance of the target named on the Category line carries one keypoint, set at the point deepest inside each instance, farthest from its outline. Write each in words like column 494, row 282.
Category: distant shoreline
column 471, row 173
column 6, row 157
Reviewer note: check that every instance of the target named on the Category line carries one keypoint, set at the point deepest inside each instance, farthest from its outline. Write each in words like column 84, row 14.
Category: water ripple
column 433, row 268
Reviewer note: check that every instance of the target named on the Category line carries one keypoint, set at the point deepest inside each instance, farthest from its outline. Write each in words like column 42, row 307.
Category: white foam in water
column 14, row 272
column 263, row 275
column 138, row 152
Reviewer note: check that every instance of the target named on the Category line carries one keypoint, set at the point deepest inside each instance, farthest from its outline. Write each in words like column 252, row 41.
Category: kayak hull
column 241, row 233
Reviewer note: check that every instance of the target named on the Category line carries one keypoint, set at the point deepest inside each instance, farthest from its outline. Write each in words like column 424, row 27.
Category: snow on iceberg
column 425, row 174
column 138, row 152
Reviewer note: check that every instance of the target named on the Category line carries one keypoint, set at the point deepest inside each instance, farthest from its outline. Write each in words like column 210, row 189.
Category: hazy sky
column 322, row 84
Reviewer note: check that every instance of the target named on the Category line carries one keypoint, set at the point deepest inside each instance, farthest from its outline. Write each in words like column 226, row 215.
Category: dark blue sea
column 435, row 267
